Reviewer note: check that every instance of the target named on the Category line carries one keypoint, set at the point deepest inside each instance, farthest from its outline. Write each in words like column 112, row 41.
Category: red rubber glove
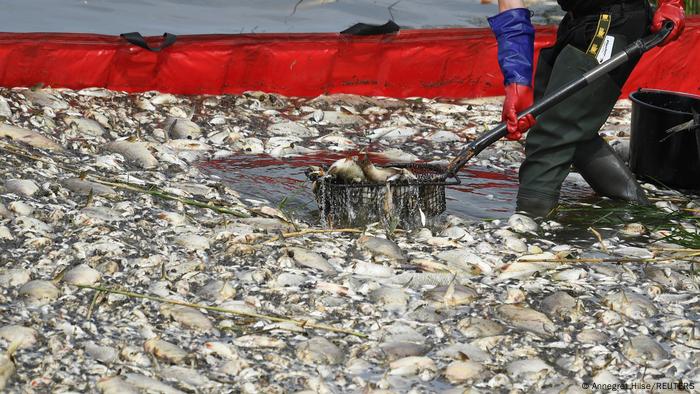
column 669, row 10
column 518, row 98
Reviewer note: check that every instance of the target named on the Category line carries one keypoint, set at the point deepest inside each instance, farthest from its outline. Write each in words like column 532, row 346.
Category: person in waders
column 567, row 134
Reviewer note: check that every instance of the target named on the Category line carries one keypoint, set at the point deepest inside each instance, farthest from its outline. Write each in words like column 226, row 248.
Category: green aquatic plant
column 153, row 190
column 615, row 215
column 250, row 315
column 681, row 236
column 295, row 205
column 692, row 7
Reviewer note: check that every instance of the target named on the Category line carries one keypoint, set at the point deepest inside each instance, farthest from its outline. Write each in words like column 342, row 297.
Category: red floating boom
column 453, row 63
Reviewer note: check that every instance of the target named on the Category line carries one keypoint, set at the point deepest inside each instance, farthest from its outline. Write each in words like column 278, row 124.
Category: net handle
column 632, row 51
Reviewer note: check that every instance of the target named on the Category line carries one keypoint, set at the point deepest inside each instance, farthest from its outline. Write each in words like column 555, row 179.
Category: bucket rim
column 634, row 99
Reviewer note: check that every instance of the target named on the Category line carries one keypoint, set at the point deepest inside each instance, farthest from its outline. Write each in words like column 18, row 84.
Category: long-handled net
column 409, row 203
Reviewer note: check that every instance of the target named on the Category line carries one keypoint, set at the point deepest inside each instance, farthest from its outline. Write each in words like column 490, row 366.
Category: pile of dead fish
column 462, row 305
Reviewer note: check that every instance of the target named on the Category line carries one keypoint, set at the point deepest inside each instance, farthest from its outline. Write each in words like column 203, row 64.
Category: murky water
column 483, row 194
column 153, row 17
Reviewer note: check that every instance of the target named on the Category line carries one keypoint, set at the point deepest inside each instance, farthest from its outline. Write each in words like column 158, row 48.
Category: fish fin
column 681, row 127
column 408, row 174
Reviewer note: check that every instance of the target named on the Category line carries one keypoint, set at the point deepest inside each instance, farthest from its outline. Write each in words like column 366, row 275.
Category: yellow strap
column 600, row 32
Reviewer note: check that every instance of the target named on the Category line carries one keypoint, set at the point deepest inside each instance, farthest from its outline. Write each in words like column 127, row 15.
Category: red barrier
column 429, row 63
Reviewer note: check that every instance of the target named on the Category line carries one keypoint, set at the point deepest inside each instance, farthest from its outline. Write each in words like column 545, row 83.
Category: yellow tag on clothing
column 599, row 37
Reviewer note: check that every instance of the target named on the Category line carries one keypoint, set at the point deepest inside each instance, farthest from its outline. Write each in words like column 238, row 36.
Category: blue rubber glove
column 516, row 47
column 516, row 44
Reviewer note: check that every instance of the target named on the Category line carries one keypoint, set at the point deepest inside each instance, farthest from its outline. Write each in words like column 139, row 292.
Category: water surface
column 483, row 194
column 153, row 17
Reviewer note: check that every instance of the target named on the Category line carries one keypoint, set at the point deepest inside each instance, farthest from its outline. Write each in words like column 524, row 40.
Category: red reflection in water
column 274, row 179
column 234, row 165
column 257, row 161
column 257, row 170
column 487, row 174
column 500, row 183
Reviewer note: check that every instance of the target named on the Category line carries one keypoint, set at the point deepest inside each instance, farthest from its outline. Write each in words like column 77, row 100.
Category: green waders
column 567, row 134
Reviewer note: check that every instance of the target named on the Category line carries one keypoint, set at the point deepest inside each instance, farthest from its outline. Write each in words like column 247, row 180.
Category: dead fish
column 452, row 295
column 103, row 354
column 527, row 319
column 363, row 268
column 221, row 349
column 390, row 298
column 338, row 141
column 179, row 128
column 307, row 258
column 397, row 155
column 381, row 247
column 630, row 304
column 151, row 385
column 376, row 174
column 416, row 280
column 7, row 365
column 115, row 385
column 522, row 269
column 476, row 327
column 461, row 371
column 39, row 292
column 319, row 350
column 388, row 207
column 413, row 365
column 644, row 350
column 82, row 274
column 522, row 224
column 187, row 377
column 164, row 98
column 83, row 187
column 290, row 150
column 383, row 174
column 28, row 137
column 217, row 290
column 258, row 341
column 24, row 187
column 45, row 98
column 347, row 170
column 165, row 351
column 5, row 110
column 188, row 317
column 314, row 172
column 84, row 126
column 528, row 368
column 136, row 152
column 22, row 337
column 634, row 230
column 692, row 124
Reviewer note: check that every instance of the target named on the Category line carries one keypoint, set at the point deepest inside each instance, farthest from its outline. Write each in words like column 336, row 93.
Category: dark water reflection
column 484, row 193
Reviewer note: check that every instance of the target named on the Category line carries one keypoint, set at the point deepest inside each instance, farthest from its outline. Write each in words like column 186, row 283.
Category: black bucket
column 673, row 160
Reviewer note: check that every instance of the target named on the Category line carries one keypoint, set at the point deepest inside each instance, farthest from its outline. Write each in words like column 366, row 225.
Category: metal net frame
column 402, row 203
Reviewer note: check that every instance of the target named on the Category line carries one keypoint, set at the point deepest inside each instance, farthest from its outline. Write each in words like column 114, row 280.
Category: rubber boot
column 605, row 172
column 536, row 205
column 551, row 144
